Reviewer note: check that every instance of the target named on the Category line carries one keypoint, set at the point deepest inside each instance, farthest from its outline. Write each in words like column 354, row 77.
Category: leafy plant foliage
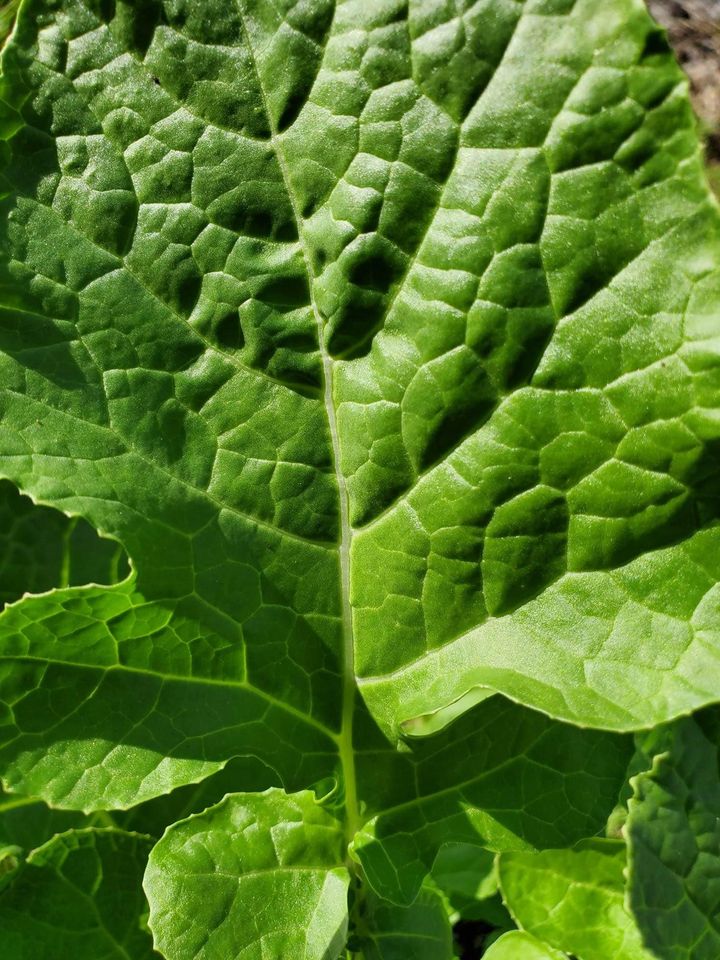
column 361, row 361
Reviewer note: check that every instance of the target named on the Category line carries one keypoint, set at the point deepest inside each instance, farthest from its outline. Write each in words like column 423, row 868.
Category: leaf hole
column 41, row 549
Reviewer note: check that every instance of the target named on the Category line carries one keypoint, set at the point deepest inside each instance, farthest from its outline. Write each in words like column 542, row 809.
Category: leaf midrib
column 345, row 739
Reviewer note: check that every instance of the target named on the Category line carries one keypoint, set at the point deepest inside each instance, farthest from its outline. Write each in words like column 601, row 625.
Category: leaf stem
column 347, row 753
column 103, row 818
column 66, row 559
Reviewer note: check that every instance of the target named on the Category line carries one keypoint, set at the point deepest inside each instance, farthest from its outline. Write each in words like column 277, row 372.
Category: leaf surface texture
column 381, row 339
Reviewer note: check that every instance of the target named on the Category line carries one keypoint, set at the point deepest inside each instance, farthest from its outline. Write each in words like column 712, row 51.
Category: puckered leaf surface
column 400, row 367
column 383, row 338
column 673, row 835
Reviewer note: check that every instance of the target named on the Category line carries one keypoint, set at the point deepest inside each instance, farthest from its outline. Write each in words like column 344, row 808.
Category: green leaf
column 519, row 945
column 9, row 864
column 501, row 778
column 78, row 897
column 514, row 438
column 385, row 931
column 673, row 835
column 465, row 872
column 574, row 900
column 258, row 875
column 491, row 914
column 466, row 875
column 90, row 728
column 372, row 370
column 154, row 816
column 7, row 16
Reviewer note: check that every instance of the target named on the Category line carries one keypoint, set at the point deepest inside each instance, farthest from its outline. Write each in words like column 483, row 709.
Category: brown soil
column 694, row 30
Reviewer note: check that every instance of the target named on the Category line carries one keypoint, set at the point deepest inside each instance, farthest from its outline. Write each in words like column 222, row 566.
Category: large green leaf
column 673, row 834
column 64, row 902
column 574, row 900
column 372, row 370
column 258, row 875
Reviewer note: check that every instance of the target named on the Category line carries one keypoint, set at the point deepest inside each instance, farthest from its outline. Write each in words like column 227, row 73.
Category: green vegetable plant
column 360, row 435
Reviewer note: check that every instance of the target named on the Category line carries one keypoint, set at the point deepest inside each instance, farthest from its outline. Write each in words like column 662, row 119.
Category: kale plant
column 360, row 435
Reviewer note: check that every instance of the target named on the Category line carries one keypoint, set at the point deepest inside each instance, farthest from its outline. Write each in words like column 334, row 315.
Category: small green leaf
column 465, row 870
column 518, row 945
column 673, row 835
column 9, row 863
column 259, row 876
column 78, row 897
column 574, row 900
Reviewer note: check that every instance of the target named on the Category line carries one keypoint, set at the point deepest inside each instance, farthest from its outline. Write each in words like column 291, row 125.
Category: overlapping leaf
column 27, row 823
column 673, row 833
column 64, row 903
column 257, row 875
column 386, row 931
column 499, row 779
column 573, row 900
